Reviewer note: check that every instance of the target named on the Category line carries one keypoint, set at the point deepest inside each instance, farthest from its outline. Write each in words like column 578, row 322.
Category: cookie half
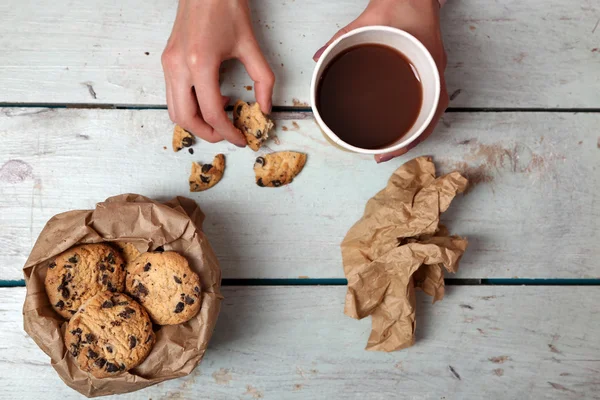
column 80, row 273
column 278, row 169
column 181, row 138
column 166, row 286
column 205, row 176
column 252, row 122
column 110, row 334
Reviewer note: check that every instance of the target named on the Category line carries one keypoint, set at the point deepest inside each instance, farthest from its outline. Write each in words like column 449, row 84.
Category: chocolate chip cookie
column 110, row 334
column 278, row 169
column 80, row 273
column 128, row 251
column 252, row 122
column 205, row 176
column 181, row 138
column 166, row 286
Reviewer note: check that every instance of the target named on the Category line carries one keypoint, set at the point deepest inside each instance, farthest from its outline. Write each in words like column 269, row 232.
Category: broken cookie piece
column 278, row 169
column 181, row 138
column 252, row 122
column 205, row 176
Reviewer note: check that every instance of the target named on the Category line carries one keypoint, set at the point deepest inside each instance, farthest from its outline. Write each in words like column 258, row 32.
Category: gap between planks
column 344, row 282
column 280, row 109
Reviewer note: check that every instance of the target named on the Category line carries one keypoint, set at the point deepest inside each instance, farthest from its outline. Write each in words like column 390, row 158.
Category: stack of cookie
column 113, row 295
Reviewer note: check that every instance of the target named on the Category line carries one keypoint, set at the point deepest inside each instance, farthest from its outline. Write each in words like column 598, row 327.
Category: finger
column 206, row 82
column 185, row 112
column 351, row 26
column 169, row 93
column 259, row 70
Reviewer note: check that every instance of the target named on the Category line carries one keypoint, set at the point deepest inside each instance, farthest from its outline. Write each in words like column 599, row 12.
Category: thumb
column 260, row 72
column 351, row 26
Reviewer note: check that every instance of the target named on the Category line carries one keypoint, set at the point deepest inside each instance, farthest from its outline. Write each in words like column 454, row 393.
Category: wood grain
column 531, row 210
column 539, row 53
column 295, row 343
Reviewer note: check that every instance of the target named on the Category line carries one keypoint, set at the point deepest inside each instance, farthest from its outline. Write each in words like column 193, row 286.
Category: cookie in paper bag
column 109, row 334
column 166, row 286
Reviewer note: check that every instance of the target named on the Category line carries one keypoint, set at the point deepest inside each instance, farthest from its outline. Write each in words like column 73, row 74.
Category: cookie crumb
column 181, row 138
column 278, row 169
column 205, row 176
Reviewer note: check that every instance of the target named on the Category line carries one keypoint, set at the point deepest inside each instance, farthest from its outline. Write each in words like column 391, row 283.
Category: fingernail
column 384, row 158
column 318, row 53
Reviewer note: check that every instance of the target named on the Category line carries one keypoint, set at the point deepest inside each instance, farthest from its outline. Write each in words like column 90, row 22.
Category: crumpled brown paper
column 398, row 245
column 175, row 225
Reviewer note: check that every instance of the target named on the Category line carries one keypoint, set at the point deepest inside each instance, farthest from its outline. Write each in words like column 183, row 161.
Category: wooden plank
column 541, row 53
column 295, row 343
column 531, row 211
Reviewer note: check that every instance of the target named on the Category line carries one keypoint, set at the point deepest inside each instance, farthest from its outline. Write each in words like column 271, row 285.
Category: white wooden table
column 82, row 117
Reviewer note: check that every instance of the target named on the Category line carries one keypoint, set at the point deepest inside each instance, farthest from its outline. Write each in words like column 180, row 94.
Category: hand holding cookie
column 205, row 33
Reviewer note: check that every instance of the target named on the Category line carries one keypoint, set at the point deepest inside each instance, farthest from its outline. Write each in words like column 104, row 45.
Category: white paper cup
column 418, row 56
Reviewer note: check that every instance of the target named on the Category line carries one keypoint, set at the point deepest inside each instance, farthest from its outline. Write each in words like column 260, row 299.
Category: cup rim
column 406, row 141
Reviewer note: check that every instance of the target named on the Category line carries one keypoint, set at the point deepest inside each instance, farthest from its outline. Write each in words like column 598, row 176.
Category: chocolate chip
column 258, row 134
column 260, row 183
column 107, row 304
column 276, row 183
column 68, row 266
column 147, row 267
column 104, row 279
column 196, row 289
column 122, row 267
column 132, row 342
column 260, row 161
column 102, row 326
column 122, row 303
column 122, row 367
column 102, row 267
column 127, row 313
column 191, row 150
column 111, row 258
column 110, row 287
column 179, row 307
column 140, row 289
column 184, row 275
column 205, row 179
column 206, row 168
column 100, row 362
column 189, row 301
column 159, row 249
column 148, row 339
column 110, row 367
column 52, row 265
column 65, row 293
column 111, row 269
column 74, row 259
column 92, row 354
column 187, row 141
column 60, row 305
column 239, row 109
column 115, row 323
column 72, row 312
column 74, row 350
column 76, row 331
column 109, row 349
column 89, row 337
column 176, row 279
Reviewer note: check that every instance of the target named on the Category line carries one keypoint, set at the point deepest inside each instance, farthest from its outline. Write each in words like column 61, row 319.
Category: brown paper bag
column 175, row 225
column 398, row 245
